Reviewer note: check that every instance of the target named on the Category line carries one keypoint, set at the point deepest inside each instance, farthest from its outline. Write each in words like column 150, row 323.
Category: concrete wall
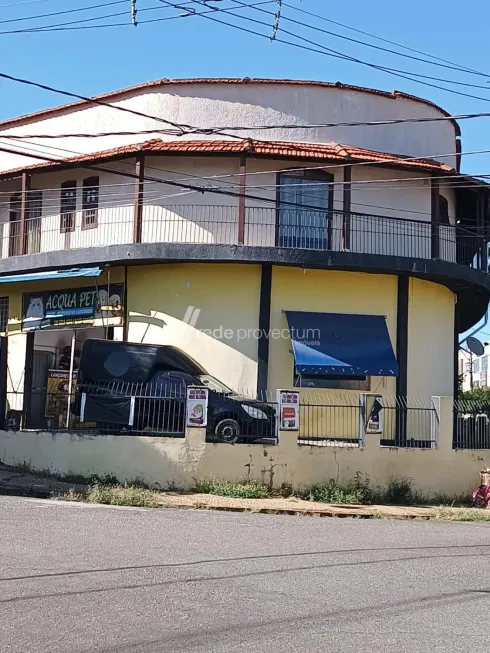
column 211, row 105
column 182, row 462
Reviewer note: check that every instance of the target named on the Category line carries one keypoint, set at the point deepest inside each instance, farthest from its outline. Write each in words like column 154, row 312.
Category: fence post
column 241, row 199
column 138, row 198
column 24, row 209
column 444, row 423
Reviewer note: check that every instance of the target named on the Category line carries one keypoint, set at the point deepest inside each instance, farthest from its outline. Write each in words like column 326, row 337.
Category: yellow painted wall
column 227, row 297
column 327, row 291
column 430, row 339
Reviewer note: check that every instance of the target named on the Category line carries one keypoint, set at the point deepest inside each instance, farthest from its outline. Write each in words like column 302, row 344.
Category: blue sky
column 97, row 60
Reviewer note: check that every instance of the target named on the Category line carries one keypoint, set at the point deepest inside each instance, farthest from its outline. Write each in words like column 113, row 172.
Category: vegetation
column 117, row 495
column 241, row 490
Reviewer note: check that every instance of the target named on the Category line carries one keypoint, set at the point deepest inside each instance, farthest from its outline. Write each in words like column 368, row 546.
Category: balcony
column 259, row 227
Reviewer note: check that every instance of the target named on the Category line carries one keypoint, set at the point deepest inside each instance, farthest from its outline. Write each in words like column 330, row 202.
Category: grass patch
column 463, row 514
column 240, row 490
column 116, row 495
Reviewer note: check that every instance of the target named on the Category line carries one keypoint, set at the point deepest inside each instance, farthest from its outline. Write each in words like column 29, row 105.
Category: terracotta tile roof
column 333, row 152
column 225, row 80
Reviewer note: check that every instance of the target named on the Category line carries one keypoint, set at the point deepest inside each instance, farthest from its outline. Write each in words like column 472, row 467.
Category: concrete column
column 444, row 425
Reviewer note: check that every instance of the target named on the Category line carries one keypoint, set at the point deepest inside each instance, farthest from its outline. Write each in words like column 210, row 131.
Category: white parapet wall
column 180, row 462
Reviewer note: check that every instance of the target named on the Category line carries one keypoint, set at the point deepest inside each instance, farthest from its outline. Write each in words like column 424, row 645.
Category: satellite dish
column 475, row 346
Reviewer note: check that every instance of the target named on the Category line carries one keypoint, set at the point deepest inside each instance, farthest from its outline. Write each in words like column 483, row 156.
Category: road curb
column 302, row 513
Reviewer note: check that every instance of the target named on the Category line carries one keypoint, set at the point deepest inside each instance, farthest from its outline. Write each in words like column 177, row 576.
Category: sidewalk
column 13, row 482
column 29, row 485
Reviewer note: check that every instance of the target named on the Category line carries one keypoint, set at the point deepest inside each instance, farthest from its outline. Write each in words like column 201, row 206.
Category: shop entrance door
column 42, row 361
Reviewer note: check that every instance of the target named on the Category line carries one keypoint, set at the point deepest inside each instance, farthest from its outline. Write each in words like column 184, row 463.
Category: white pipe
column 70, row 379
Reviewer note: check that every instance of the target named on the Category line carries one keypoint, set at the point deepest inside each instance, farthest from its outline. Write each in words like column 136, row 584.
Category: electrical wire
column 45, row 28
column 35, row 154
column 329, row 52
column 193, row 187
column 395, row 71
column 68, row 26
column 383, row 40
column 212, row 130
column 443, row 63
column 65, row 11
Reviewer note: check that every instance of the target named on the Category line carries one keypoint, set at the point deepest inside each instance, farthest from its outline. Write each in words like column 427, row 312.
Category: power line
column 444, row 63
column 46, row 28
column 68, row 26
column 395, row 71
column 213, row 130
column 368, row 182
column 60, row 13
column 329, row 52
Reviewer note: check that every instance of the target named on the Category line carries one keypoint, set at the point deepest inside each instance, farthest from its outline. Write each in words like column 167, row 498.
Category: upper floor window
column 476, row 365
column 68, row 206
column 90, row 203
column 305, row 201
column 484, row 363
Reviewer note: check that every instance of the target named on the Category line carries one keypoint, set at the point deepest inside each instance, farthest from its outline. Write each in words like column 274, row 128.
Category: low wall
column 173, row 462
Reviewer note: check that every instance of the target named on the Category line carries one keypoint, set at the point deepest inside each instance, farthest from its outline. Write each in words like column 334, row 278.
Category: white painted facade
column 298, row 106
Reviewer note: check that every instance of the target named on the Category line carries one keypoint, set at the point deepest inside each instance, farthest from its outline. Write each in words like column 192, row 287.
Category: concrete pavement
column 76, row 578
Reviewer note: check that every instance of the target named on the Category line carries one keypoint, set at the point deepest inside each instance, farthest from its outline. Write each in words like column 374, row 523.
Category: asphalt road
column 77, row 578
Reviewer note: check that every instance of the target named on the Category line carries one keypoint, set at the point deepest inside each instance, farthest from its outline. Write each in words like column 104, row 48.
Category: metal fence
column 409, row 425
column 335, row 424
column 471, row 425
column 265, row 226
column 150, row 409
column 404, row 425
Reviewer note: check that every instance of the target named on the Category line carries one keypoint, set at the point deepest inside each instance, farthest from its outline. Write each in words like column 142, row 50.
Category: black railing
column 471, row 425
column 264, row 226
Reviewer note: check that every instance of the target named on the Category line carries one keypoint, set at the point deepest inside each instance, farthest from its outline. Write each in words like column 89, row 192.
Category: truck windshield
column 215, row 385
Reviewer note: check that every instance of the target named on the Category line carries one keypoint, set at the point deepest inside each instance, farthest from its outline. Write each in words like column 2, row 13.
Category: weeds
column 117, row 495
column 462, row 514
column 241, row 490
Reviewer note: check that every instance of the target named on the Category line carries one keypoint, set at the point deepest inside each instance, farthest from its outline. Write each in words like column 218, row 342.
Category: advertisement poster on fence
column 197, row 406
column 372, row 412
column 288, row 403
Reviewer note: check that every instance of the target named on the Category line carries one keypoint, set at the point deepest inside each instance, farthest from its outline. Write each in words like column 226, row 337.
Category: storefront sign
column 93, row 306
column 197, row 406
column 371, row 412
column 288, row 410
column 57, row 387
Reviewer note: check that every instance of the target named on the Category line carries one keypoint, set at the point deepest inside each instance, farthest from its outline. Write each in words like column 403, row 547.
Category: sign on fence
column 371, row 414
column 288, row 403
column 197, row 406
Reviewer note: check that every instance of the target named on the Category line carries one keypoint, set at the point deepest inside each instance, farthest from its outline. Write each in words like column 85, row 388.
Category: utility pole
column 134, row 11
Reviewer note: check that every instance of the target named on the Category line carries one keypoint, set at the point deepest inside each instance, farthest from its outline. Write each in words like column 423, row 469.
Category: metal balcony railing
column 263, row 226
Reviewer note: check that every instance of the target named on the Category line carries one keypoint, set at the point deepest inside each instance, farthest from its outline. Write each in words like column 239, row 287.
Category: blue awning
column 53, row 274
column 340, row 344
